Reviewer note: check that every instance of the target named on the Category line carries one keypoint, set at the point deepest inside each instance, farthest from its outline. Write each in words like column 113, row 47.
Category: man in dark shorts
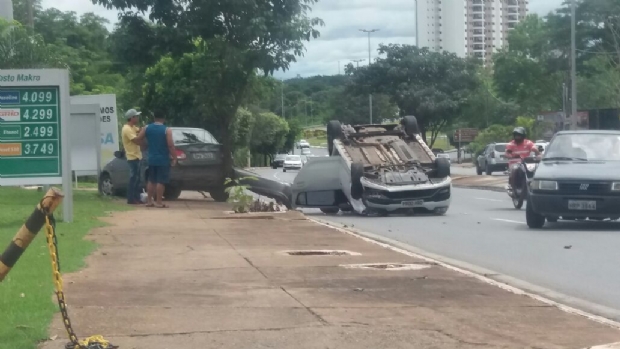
column 161, row 156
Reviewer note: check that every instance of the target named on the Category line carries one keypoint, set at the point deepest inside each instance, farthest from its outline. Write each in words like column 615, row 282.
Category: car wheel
column 106, row 187
column 283, row 170
column 172, row 192
column 357, row 172
column 443, row 167
column 552, row 219
column 410, row 123
column 334, row 131
column 533, row 219
column 330, row 210
column 488, row 170
column 478, row 169
column 219, row 194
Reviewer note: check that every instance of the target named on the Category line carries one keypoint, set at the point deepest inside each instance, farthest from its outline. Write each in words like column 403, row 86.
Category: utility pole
column 369, row 61
column 282, row 97
column 573, row 70
column 358, row 62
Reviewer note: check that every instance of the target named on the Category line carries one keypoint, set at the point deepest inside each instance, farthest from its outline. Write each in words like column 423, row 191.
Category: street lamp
column 573, row 70
column 358, row 62
column 369, row 61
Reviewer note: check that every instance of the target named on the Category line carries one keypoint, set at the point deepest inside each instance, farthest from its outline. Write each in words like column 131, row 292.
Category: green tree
column 238, row 38
column 269, row 134
column 526, row 74
column 430, row 85
column 21, row 10
column 21, row 50
column 492, row 134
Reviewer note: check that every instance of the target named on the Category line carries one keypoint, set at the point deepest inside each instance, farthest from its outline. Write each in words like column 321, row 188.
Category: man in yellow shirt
column 134, row 155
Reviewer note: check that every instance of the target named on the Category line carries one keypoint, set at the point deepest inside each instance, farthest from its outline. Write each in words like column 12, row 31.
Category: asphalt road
column 577, row 259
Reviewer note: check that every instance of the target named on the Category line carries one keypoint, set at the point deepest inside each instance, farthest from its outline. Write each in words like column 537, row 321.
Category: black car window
column 192, row 136
column 500, row 148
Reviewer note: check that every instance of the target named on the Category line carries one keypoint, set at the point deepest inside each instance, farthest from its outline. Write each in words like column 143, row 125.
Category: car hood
column 591, row 170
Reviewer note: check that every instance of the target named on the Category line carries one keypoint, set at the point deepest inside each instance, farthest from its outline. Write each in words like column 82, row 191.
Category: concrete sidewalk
column 192, row 276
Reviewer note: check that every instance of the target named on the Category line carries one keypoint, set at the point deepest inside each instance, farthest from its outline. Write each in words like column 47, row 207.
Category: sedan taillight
column 181, row 155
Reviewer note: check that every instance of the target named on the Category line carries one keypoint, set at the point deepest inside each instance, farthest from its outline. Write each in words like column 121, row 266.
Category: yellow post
column 29, row 230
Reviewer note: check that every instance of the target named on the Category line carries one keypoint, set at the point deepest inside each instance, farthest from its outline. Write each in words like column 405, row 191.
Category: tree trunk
column 227, row 160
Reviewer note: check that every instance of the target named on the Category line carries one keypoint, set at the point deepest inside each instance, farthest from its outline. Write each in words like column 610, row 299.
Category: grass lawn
column 317, row 142
column 26, row 295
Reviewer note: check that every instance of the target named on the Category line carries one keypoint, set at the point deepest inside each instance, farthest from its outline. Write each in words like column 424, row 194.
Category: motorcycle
column 523, row 174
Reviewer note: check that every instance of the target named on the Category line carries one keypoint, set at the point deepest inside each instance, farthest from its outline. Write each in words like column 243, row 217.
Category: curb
column 606, row 346
column 480, row 274
column 479, row 187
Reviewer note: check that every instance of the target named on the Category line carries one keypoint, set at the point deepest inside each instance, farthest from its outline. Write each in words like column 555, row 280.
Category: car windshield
column 500, row 148
column 192, row 136
column 584, row 146
column 293, row 158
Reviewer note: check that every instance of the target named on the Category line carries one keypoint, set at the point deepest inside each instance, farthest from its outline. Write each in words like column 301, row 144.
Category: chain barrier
column 93, row 342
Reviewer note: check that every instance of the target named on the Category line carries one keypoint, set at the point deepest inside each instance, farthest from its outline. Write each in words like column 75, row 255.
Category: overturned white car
column 375, row 169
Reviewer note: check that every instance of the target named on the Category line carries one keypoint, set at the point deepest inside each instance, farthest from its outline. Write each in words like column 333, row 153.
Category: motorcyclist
column 519, row 148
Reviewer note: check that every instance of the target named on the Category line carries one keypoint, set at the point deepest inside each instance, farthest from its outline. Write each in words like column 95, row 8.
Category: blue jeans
column 133, row 189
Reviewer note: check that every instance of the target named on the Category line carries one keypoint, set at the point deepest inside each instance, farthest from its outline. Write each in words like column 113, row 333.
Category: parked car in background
column 199, row 167
column 444, row 155
column 303, row 144
column 292, row 162
column 492, row 159
column 278, row 161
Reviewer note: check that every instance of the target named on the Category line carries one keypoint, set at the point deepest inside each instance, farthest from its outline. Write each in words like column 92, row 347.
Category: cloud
column 340, row 41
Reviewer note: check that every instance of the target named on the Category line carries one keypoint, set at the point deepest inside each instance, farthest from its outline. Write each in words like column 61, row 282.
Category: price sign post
column 34, row 149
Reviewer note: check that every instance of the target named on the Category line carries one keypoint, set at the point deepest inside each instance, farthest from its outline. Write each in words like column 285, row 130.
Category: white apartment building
column 467, row 27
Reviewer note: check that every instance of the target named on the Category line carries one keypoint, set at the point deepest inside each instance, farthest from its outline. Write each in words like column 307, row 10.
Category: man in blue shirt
column 161, row 155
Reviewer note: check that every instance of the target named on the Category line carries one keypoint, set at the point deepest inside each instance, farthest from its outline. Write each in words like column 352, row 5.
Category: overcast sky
column 340, row 39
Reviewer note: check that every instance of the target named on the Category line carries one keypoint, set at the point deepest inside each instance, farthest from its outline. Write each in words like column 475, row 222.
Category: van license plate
column 203, row 156
column 581, row 205
column 413, row 203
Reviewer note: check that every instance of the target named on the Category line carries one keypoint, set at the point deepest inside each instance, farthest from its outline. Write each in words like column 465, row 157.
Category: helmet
column 519, row 131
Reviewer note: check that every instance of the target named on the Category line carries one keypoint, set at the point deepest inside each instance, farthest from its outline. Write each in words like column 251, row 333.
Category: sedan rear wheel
column 172, row 192
column 106, row 187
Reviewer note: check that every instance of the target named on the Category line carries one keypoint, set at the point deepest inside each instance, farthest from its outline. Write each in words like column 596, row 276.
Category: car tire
column 172, row 192
column 533, row 219
column 410, row 124
column 330, row 210
column 443, row 167
column 219, row 194
column 106, row 187
column 478, row 169
column 283, row 170
column 334, row 131
column 488, row 170
column 357, row 172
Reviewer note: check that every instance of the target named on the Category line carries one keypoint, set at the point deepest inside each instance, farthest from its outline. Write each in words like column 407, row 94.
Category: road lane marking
column 507, row 220
column 391, row 245
column 495, row 200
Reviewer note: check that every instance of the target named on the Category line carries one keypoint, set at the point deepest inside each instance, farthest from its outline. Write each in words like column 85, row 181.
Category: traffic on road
column 571, row 192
